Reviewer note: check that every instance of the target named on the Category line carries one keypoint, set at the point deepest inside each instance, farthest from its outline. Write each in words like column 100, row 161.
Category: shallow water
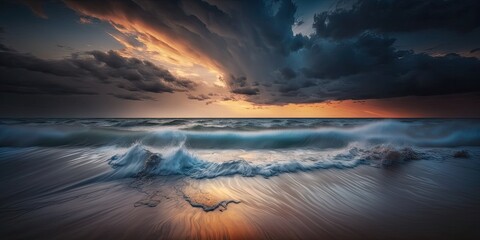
column 239, row 178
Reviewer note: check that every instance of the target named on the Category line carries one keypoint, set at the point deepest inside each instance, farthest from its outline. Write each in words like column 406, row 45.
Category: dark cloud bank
column 85, row 74
column 349, row 56
column 398, row 16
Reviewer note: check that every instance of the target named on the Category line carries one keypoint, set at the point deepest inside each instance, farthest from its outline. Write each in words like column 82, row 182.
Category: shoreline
column 434, row 199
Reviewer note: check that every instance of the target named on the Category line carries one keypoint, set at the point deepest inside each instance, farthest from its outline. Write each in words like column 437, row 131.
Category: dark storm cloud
column 142, row 75
column 81, row 73
column 370, row 67
column 200, row 97
column 292, row 86
column 62, row 68
column 329, row 60
column 288, row 73
column 131, row 96
column 240, row 85
column 246, row 91
column 5, row 48
column 398, row 16
column 2, row 46
column 22, row 81
column 241, row 37
column 253, row 44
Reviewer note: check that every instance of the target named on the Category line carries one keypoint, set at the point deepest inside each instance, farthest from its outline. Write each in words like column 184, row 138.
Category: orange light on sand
column 220, row 222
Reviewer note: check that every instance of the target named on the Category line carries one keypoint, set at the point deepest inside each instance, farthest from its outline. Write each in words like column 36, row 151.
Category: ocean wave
column 140, row 162
column 192, row 124
column 134, row 123
column 28, row 136
column 448, row 134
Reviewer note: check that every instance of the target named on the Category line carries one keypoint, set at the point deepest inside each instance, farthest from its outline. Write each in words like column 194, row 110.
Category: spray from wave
column 140, row 162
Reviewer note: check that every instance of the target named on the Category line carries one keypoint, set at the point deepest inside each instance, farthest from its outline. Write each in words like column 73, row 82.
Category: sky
column 217, row 58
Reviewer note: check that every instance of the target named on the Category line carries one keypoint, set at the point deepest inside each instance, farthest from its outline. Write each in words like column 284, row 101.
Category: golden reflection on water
column 232, row 221
column 363, row 202
column 274, row 208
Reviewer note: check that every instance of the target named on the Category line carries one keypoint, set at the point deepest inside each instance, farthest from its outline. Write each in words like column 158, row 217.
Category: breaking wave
column 446, row 134
column 140, row 162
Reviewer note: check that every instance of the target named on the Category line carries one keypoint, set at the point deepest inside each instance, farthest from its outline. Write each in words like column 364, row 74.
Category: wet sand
column 45, row 196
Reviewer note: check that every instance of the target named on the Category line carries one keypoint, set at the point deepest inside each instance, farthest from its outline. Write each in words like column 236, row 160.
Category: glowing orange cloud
column 159, row 44
column 163, row 45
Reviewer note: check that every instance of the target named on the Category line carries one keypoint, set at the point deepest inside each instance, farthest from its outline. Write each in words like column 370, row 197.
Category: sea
column 239, row 178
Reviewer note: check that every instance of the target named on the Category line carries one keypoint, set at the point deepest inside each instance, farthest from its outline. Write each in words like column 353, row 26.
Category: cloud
column 252, row 45
column 200, row 97
column 36, row 6
column 26, row 74
column 288, row 73
column 132, row 96
column 371, row 68
column 331, row 60
column 85, row 73
column 21, row 81
column 474, row 50
column 239, row 85
column 232, row 37
column 62, row 68
column 398, row 16
column 68, row 48
column 246, row 91
column 85, row 20
column 5, row 48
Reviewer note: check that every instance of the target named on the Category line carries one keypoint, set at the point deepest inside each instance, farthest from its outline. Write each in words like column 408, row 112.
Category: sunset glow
column 239, row 119
column 239, row 60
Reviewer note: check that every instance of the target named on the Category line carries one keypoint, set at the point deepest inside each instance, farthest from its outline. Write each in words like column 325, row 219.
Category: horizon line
column 239, row 117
